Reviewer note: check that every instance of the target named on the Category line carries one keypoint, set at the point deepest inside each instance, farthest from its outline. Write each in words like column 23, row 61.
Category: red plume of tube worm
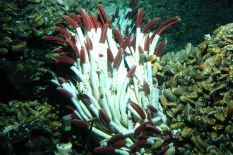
column 103, row 34
column 58, row 50
column 125, row 43
column 118, row 144
column 69, row 108
column 146, row 87
column 71, row 21
column 150, row 24
column 152, row 129
column 139, row 18
column 115, row 138
column 167, row 24
column 140, row 128
column 65, row 92
column 140, row 49
column 160, row 47
column 89, row 43
column 64, row 59
column 149, row 116
column 119, row 36
column 62, row 80
column 137, row 145
column 82, row 55
column 76, row 17
column 94, row 20
column 110, row 55
column 104, row 116
column 118, row 59
column 131, row 71
column 86, row 100
column 86, row 20
column 151, row 108
column 63, row 31
column 103, row 14
column 138, row 109
column 72, row 44
column 147, row 43
column 56, row 39
column 80, row 124
column 164, row 26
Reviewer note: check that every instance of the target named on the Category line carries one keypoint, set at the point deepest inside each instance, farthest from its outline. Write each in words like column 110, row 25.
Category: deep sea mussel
column 29, row 124
column 113, row 81
column 197, row 94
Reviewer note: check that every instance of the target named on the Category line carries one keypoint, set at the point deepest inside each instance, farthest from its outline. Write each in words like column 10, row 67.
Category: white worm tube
column 79, row 109
column 153, row 44
column 123, row 107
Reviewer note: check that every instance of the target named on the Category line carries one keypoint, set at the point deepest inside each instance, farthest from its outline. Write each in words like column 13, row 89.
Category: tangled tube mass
column 114, row 81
